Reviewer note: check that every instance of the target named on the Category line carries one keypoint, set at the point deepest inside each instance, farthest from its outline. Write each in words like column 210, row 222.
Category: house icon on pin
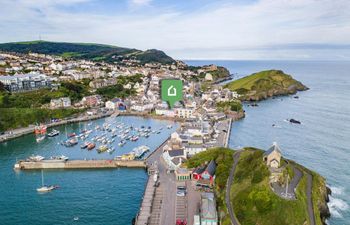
column 172, row 91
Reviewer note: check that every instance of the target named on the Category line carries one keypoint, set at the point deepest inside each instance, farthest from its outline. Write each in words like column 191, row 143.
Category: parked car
column 181, row 222
column 181, row 193
column 182, row 188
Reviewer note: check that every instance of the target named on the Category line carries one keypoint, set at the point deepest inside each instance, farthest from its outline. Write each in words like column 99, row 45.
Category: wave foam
column 337, row 190
column 337, row 206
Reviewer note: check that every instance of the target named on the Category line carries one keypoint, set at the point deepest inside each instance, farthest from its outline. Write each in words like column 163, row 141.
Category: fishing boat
column 140, row 151
column 134, row 138
column 60, row 158
column 36, row 158
column 110, row 150
column 70, row 142
column 45, row 188
column 122, row 143
column 84, row 145
column 72, row 135
column 40, row 129
column 40, row 138
column 102, row 148
column 91, row 146
column 53, row 133
column 111, row 141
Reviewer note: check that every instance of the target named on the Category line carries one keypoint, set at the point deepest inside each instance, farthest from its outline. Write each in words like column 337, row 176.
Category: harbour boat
column 158, row 132
column 111, row 141
column 122, row 143
column 40, row 138
column 59, row 158
column 84, row 145
column 140, row 151
column 169, row 126
column 91, row 146
column 71, row 135
column 70, row 142
column 134, row 138
column 36, row 158
column 102, row 148
column 45, row 188
column 53, row 133
column 40, row 129
column 110, row 150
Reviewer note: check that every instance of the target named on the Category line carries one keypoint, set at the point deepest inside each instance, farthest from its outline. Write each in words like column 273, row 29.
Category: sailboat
column 45, row 188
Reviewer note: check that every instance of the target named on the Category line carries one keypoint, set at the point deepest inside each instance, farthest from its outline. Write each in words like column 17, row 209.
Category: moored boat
column 59, row 158
column 36, row 158
column 91, row 146
column 84, row 145
column 102, row 148
column 53, row 133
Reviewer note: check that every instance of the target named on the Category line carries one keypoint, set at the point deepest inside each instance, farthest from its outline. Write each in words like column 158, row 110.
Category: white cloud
column 261, row 30
column 140, row 2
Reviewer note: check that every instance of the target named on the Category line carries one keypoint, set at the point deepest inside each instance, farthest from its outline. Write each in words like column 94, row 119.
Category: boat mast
column 42, row 178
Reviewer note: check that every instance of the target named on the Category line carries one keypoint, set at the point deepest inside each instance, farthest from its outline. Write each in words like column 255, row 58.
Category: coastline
column 19, row 132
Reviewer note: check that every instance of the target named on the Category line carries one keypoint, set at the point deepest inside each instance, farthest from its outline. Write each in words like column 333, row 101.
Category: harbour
column 88, row 178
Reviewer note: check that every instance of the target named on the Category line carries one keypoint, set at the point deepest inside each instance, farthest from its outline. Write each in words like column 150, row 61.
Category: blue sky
column 189, row 29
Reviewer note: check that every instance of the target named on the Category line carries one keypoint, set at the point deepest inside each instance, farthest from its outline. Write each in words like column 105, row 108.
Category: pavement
column 229, row 204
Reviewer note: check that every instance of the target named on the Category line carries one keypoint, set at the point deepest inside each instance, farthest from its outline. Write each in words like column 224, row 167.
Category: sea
column 113, row 196
column 92, row 196
column 322, row 141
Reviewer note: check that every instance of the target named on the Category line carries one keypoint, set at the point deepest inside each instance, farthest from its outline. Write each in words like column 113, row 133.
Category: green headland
column 265, row 84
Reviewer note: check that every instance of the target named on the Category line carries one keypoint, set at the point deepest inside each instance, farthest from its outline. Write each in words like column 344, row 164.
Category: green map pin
column 171, row 91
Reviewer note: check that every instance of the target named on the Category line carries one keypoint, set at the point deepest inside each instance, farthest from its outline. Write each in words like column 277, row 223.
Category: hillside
column 253, row 200
column 96, row 52
column 261, row 205
column 265, row 84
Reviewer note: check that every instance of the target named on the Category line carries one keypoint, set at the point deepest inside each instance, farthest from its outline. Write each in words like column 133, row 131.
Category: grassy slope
column 264, row 81
column 85, row 51
column 254, row 201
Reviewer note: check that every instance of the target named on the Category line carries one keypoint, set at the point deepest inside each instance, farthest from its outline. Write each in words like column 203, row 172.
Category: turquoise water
column 110, row 196
column 322, row 141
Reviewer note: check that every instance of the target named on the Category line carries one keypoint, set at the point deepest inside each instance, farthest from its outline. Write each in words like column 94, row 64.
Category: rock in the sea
column 294, row 121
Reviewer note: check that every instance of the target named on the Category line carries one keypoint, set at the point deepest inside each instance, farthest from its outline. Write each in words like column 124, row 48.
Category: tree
column 2, row 87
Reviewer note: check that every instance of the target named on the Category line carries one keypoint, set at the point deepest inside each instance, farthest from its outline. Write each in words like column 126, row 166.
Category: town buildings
column 63, row 102
column 26, row 82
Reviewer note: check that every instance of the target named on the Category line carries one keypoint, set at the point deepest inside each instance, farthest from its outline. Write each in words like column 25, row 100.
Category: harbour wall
column 80, row 164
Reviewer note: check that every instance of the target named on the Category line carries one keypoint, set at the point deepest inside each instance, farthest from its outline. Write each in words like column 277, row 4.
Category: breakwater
column 79, row 164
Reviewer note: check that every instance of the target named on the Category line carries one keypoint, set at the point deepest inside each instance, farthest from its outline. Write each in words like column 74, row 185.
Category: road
column 310, row 206
column 281, row 191
column 234, row 220
column 168, row 187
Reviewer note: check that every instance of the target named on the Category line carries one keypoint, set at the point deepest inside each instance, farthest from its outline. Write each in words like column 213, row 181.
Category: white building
column 142, row 107
column 64, row 102
column 184, row 112
column 165, row 112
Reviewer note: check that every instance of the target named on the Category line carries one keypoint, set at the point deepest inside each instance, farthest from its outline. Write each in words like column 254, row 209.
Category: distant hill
column 96, row 52
column 265, row 84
